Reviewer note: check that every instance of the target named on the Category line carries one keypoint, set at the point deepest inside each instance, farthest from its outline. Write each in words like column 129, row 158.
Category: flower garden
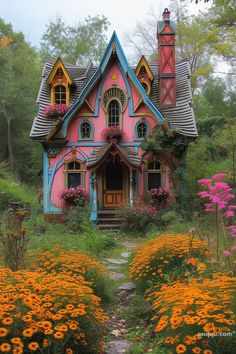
column 52, row 298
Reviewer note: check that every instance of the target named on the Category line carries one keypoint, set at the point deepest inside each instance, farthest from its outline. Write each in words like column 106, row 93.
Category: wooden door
column 114, row 185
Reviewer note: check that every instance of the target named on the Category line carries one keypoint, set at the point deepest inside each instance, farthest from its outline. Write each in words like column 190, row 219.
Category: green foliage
column 77, row 219
column 20, row 72
column 76, row 44
column 168, row 141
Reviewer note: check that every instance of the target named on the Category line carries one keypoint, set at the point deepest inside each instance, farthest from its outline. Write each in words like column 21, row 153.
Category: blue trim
column 136, row 129
column 91, row 137
column 127, row 71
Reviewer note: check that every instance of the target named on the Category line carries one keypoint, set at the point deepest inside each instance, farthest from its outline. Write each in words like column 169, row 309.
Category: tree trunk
column 9, row 147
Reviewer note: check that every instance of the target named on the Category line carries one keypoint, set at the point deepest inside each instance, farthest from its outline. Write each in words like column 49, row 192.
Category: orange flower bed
column 167, row 258
column 196, row 317
column 48, row 313
column 71, row 262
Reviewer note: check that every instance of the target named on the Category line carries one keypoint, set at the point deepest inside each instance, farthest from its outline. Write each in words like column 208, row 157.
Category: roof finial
column 166, row 15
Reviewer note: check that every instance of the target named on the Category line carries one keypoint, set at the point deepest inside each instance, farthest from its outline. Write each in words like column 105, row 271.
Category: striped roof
column 180, row 117
column 127, row 155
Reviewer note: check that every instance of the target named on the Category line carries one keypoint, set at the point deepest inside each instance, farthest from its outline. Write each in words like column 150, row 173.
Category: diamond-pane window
column 113, row 114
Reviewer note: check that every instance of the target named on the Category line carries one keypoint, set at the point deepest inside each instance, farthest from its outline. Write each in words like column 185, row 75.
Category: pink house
column 112, row 95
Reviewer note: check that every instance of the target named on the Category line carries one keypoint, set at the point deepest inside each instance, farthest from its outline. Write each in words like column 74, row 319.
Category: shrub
column 71, row 262
column 77, row 219
column 195, row 317
column 167, row 258
column 136, row 218
column 13, row 238
column 48, row 313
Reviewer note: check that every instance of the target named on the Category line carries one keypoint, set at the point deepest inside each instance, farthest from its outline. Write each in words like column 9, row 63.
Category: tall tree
column 20, row 72
column 76, row 44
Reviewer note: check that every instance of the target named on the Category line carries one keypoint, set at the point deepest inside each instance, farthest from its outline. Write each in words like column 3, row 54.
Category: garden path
column 123, row 287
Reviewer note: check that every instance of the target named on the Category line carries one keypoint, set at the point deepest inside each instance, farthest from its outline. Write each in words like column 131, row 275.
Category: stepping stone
column 117, row 276
column 127, row 286
column 115, row 261
column 112, row 267
column 118, row 347
column 125, row 254
column 130, row 244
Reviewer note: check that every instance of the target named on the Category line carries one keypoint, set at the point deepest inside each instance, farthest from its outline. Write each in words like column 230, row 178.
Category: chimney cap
column 166, row 15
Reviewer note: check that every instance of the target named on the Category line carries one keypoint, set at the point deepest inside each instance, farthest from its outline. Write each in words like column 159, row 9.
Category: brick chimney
column 166, row 54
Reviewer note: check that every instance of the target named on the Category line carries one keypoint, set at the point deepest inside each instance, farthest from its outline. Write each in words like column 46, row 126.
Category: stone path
column 117, row 326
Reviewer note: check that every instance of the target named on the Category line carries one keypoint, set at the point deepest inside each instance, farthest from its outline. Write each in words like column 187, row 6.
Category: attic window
column 60, row 94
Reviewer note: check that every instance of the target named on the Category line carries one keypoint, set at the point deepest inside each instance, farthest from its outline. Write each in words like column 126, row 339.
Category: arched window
column 74, row 173
column 113, row 113
column 60, row 94
column 86, row 130
column 154, row 173
column 142, row 129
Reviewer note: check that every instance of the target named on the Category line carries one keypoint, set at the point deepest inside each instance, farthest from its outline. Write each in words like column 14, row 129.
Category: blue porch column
column 131, row 192
column 94, row 205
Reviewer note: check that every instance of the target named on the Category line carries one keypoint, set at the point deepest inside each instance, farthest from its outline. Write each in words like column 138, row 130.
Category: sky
column 32, row 16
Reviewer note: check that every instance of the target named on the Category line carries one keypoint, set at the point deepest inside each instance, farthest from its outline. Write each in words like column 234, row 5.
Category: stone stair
column 108, row 220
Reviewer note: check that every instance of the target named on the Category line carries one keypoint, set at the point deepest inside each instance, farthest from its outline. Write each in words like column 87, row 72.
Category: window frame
column 136, row 137
column 91, row 130
column 53, row 93
column 108, row 113
column 161, row 170
column 81, row 171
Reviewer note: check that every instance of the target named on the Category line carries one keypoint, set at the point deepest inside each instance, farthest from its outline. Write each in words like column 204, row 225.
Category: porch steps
column 108, row 220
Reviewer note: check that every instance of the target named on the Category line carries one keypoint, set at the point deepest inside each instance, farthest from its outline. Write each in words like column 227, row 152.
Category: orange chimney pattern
column 166, row 51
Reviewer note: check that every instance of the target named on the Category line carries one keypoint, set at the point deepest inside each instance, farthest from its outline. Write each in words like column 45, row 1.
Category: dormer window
column 144, row 74
column 60, row 94
column 60, row 83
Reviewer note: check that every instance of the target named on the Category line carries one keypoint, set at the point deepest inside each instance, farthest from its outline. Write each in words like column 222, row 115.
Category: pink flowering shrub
column 112, row 133
column 76, row 195
column 158, row 196
column 138, row 217
column 219, row 194
column 56, row 110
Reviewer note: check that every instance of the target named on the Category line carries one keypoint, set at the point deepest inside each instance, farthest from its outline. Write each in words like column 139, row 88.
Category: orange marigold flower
column 28, row 332
column 58, row 335
column 181, row 348
column 207, row 351
column 73, row 326
column 33, row 346
column 27, row 318
column 15, row 340
column 5, row 347
column 69, row 351
column 7, row 321
column 3, row 332
column 196, row 350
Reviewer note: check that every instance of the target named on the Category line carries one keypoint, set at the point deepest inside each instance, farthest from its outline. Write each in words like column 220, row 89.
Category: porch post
column 94, row 206
column 131, row 192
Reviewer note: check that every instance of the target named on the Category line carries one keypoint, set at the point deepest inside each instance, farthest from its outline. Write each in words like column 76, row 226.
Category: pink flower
column 218, row 176
column 226, row 253
column 192, row 230
column 203, row 194
column 229, row 214
column 233, row 248
column 205, row 182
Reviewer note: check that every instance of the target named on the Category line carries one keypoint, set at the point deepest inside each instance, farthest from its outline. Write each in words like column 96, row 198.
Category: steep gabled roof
column 180, row 117
column 59, row 64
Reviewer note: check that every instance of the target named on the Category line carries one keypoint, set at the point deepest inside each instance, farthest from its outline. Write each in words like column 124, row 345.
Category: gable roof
column 129, row 157
column 59, row 64
column 180, row 117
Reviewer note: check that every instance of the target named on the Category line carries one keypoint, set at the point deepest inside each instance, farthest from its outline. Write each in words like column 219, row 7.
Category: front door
column 113, row 185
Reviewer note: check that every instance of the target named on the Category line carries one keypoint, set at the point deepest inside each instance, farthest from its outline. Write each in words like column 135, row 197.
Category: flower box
column 56, row 110
column 112, row 134
column 75, row 195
